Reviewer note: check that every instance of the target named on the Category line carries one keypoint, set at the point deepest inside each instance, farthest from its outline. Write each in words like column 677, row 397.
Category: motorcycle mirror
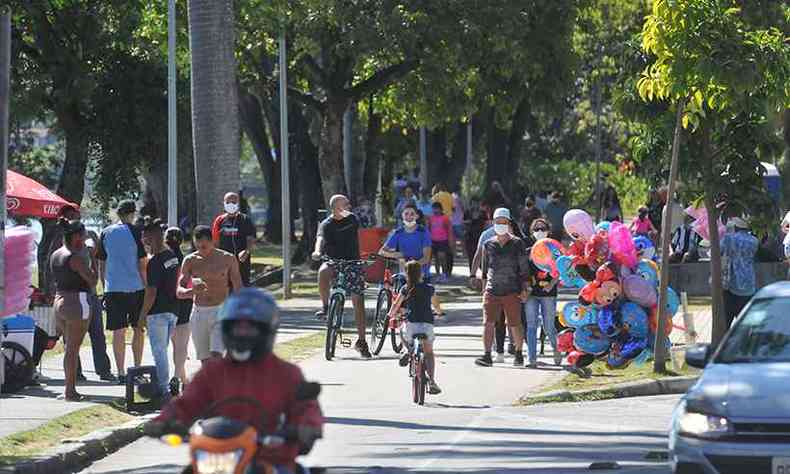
column 172, row 440
column 308, row 391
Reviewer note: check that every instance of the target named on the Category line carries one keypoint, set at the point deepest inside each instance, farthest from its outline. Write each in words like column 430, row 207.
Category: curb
column 80, row 453
column 638, row 388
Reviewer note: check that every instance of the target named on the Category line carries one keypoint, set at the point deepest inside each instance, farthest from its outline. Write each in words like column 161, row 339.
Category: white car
column 736, row 418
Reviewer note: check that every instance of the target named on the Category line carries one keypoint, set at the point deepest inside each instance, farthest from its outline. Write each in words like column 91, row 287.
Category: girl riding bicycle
column 415, row 300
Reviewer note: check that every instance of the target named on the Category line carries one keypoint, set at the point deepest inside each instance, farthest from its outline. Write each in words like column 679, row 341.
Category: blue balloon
column 590, row 340
column 644, row 247
column 568, row 275
column 603, row 226
column 609, row 322
column 647, row 270
column 577, row 315
column 634, row 319
column 673, row 302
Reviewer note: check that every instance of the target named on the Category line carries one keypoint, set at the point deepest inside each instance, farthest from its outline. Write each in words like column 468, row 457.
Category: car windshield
column 761, row 335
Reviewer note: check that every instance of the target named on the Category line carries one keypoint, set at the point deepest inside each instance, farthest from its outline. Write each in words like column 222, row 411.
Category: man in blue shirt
column 412, row 242
column 740, row 284
column 122, row 260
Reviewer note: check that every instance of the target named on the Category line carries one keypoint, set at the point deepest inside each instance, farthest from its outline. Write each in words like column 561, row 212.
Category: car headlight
column 217, row 463
column 700, row 425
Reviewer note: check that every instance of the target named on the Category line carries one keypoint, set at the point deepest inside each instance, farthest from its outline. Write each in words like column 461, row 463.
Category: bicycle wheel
column 397, row 343
column 380, row 326
column 415, row 384
column 422, row 378
column 19, row 367
column 331, row 330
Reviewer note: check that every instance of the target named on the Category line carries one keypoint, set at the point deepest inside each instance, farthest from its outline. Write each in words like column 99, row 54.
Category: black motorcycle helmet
column 255, row 339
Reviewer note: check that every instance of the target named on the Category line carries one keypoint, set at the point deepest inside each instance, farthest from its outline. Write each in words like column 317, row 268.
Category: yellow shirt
column 446, row 200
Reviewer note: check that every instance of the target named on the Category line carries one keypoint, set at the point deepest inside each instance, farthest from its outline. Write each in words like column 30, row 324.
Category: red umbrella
column 27, row 197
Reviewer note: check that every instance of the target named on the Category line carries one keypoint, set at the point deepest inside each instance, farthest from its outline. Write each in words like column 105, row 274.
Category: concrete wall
column 694, row 278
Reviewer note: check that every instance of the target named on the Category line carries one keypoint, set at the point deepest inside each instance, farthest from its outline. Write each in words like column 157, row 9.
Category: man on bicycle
column 412, row 242
column 338, row 239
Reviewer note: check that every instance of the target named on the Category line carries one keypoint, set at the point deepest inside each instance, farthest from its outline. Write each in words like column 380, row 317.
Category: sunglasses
column 540, row 229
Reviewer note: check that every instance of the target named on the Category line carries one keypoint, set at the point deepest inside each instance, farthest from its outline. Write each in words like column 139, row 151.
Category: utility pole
column 5, row 95
column 172, row 141
column 598, row 150
column 285, row 170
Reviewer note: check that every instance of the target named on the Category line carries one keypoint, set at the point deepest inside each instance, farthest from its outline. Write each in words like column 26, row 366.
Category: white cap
column 502, row 212
column 738, row 222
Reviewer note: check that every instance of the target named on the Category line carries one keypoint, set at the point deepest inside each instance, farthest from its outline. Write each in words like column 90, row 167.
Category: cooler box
column 20, row 329
column 370, row 241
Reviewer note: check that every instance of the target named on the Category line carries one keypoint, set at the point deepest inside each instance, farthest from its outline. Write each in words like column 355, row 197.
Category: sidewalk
column 35, row 406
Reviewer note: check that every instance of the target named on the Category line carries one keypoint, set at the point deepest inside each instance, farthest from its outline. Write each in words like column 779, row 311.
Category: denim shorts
column 419, row 328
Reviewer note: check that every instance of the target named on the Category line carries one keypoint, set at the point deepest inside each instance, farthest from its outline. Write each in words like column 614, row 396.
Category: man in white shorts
column 204, row 278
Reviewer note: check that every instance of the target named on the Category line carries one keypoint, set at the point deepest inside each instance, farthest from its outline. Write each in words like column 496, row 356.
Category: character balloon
column 578, row 224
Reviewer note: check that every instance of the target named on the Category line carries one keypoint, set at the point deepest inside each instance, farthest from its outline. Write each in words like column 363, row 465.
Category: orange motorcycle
column 222, row 445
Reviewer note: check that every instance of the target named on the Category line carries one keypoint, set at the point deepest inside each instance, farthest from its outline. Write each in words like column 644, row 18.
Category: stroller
column 25, row 339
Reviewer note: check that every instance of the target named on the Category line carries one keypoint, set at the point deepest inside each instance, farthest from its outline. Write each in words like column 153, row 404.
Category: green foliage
column 576, row 181
column 39, row 163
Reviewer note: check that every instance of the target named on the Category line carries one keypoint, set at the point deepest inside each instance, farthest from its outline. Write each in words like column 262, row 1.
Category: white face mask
column 540, row 234
column 410, row 224
column 231, row 207
column 501, row 229
column 238, row 356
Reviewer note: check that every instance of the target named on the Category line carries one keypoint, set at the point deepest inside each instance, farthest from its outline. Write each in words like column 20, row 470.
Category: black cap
column 127, row 206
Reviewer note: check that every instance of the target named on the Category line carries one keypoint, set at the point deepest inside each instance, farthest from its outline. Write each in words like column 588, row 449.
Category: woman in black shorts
column 74, row 279
column 174, row 238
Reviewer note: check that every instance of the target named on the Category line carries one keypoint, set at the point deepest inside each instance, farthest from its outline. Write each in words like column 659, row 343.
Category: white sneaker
column 500, row 358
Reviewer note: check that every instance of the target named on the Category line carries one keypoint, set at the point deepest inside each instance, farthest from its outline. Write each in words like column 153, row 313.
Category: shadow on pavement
column 510, row 431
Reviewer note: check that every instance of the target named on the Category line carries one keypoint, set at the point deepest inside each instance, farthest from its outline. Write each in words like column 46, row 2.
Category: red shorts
column 493, row 306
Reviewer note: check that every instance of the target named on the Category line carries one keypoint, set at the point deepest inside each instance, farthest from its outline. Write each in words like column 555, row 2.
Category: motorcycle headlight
column 217, row 463
column 700, row 425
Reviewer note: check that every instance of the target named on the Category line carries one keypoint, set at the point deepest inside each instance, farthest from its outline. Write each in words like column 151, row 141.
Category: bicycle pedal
column 345, row 343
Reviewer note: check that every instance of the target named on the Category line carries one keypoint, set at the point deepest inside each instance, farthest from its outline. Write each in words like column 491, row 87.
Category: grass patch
column 24, row 445
column 268, row 254
column 301, row 348
column 603, row 376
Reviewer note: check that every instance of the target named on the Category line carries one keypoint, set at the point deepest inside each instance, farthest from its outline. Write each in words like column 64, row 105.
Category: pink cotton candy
column 700, row 225
column 19, row 253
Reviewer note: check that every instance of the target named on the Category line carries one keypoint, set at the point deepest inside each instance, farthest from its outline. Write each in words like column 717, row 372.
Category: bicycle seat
column 421, row 336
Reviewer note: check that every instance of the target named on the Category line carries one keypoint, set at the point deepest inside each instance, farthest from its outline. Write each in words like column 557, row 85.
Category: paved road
column 472, row 427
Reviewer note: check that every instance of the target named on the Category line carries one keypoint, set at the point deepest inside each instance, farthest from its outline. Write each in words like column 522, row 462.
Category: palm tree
column 215, row 104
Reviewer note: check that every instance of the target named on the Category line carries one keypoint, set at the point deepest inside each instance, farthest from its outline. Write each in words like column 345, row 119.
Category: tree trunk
column 717, row 295
column 785, row 165
column 309, row 184
column 215, row 114
column 372, row 154
column 330, row 150
column 515, row 140
column 496, row 147
column 253, row 124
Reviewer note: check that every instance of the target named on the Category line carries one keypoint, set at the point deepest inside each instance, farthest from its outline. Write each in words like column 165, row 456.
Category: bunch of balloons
column 19, row 253
column 616, row 317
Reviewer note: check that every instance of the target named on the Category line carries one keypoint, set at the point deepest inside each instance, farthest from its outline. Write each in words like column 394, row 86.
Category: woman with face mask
column 410, row 242
column 542, row 302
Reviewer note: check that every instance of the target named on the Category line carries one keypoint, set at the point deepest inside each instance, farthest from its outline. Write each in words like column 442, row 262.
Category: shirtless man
column 208, row 270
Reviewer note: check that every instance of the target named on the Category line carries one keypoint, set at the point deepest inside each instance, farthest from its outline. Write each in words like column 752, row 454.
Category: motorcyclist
column 250, row 319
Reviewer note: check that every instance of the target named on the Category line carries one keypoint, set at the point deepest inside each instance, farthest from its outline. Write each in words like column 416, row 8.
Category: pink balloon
column 578, row 224
column 700, row 225
column 621, row 245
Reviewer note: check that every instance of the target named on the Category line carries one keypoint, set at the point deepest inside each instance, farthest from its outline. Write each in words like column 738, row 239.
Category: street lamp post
column 172, row 142
column 285, row 171
column 5, row 94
